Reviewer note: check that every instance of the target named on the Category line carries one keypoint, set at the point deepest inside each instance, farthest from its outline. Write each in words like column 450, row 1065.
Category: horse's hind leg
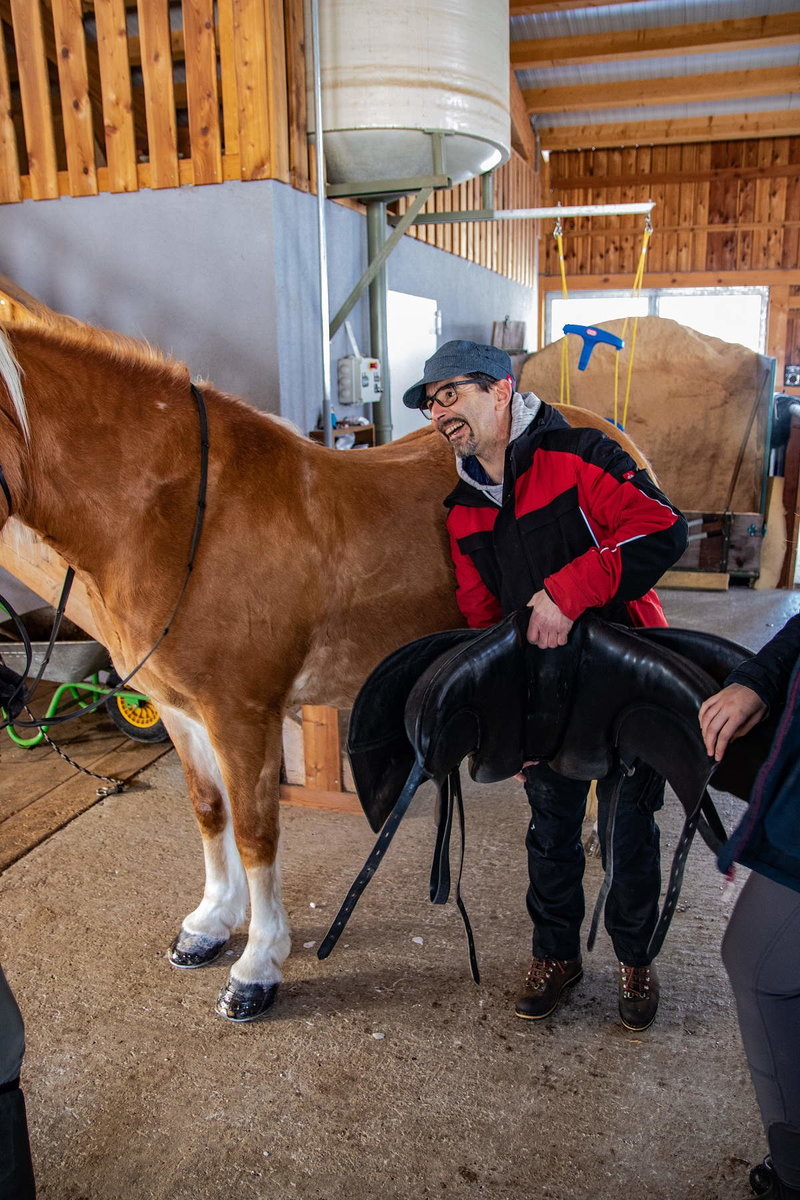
column 205, row 931
column 249, row 754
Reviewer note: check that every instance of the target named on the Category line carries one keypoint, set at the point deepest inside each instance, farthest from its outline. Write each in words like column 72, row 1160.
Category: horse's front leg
column 249, row 754
column 205, row 931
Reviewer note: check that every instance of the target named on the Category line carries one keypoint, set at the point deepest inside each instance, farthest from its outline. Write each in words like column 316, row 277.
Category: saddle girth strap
column 690, row 827
column 415, row 778
column 449, row 797
column 623, row 771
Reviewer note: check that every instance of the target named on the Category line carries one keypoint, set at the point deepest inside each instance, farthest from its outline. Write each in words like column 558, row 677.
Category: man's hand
column 548, row 627
column 727, row 715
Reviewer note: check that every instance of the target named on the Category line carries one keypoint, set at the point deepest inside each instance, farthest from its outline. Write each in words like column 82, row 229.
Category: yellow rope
column 563, row 387
column 635, row 291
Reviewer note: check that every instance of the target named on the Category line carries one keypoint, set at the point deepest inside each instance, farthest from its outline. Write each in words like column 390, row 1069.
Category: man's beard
column 466, row 449
column 461, row 448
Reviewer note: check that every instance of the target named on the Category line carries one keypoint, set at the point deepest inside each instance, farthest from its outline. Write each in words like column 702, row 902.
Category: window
column 733, row 314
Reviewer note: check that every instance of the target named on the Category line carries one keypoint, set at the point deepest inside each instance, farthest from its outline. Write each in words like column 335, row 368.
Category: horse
column 312, row 566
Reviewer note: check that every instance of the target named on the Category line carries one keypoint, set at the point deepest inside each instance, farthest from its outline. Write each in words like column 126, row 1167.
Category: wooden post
column 34, row 86
column 201, row 90
column 321, row 748
column 10, row 184
column 115, row 82
column 76, row 107
column 159, row 94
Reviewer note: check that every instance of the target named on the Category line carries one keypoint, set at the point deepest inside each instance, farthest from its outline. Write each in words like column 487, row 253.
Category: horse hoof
column 191, row 950
column 245, row 1001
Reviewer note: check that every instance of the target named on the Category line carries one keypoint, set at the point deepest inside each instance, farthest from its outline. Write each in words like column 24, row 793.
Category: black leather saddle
column 609, row 698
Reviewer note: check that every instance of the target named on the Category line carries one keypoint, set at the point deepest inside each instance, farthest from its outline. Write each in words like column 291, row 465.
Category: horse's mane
column 72, row 334
column 67, row 333
column 10, row 374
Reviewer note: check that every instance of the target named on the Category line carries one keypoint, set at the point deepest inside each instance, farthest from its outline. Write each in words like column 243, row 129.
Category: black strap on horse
column 628, row 695
column 19, row 698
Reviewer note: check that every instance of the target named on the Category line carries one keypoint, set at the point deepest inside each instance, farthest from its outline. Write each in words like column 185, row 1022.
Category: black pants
column 556, row 862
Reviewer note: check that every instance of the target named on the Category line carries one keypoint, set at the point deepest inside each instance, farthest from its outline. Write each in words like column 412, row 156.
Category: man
column 560, row 520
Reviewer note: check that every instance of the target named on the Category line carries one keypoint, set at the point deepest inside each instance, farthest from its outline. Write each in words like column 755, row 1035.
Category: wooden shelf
column 365, row 434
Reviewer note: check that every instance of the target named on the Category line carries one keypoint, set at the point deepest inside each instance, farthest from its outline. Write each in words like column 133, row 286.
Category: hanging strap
column 416, row 777
column 623, row 771
column 449, row 797
column 563, row 386
column 635, row 291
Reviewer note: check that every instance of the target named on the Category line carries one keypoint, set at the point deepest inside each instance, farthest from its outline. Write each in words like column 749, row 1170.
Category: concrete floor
column 384, row 1071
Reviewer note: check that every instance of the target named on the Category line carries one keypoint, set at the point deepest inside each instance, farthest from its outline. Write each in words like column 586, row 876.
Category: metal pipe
column 401, row 224
column 324, row 302
column 379, row 341
column 574, row 210
column 524, row 214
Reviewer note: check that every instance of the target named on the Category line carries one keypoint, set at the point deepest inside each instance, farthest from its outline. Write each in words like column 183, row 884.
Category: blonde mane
column 11, row 376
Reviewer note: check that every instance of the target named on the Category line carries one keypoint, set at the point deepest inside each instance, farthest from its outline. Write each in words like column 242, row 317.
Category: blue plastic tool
column 591, row 336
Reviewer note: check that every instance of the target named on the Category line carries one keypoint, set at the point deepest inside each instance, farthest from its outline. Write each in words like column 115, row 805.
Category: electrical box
column 359, row 380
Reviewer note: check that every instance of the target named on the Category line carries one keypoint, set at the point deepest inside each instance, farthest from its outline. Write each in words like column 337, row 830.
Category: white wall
column 226, row 278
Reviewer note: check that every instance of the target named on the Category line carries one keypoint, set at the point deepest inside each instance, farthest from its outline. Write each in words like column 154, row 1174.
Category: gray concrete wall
column 226, row 279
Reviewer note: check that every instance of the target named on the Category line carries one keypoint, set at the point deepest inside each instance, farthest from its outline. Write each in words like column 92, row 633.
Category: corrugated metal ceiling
column 740, row 82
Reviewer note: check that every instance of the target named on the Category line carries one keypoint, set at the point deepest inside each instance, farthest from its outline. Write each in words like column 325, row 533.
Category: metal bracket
column 380, row 258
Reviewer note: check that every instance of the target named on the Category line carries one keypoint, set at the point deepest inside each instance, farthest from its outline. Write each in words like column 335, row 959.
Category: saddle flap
column 471, row 701
column 380, row 753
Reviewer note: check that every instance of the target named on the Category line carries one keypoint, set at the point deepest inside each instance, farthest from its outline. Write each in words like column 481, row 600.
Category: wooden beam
column 680, row 89
column 522, row 137
column 782, row 123
column 522, row 8
column 673, row 279
column 776, row 29
column 597, row 183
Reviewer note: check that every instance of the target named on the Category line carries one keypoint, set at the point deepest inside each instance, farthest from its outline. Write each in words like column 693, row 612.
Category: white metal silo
column 393, row 72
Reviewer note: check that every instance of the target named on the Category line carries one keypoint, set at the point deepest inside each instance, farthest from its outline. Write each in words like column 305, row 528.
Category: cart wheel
column 138, row 719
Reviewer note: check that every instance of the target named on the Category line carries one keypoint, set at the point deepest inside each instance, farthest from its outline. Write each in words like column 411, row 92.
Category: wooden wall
column 509, row 247
column 727, row 213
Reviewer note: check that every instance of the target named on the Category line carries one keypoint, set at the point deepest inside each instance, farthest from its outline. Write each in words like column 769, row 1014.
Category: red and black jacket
column 579, row 518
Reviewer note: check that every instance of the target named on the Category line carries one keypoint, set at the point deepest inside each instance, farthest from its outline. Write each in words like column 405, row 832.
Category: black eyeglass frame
column 429, row 400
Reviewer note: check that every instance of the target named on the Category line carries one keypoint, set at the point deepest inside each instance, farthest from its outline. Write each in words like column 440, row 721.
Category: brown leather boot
column 544, row 983
column 638, row 996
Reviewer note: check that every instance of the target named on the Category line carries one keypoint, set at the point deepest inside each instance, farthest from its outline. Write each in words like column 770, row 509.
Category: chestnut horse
column 312, row 566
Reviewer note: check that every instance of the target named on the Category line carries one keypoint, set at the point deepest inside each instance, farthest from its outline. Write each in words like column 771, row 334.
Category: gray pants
column 12, row 1034
column 761, row 953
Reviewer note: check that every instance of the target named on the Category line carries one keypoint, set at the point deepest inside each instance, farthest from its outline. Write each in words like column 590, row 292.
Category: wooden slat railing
column 109, row 95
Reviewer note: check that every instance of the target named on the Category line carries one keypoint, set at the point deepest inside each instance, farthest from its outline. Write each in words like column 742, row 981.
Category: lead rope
column 115, row 785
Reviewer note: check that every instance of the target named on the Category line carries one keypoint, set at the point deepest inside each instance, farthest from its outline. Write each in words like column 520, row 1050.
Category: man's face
column 473, row 420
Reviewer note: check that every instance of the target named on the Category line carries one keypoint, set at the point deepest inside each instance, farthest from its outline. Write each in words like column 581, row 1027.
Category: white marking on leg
column 268, row 940
column 224, row 903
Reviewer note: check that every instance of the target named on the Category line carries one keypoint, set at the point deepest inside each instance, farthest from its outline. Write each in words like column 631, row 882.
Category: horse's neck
column 96, row 458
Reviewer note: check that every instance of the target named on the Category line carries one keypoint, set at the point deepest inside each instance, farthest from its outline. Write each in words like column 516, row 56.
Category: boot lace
column 635, row 982
column 540, row 972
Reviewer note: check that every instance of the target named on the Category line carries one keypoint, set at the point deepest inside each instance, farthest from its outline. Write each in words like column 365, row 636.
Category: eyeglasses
column 445, row 396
